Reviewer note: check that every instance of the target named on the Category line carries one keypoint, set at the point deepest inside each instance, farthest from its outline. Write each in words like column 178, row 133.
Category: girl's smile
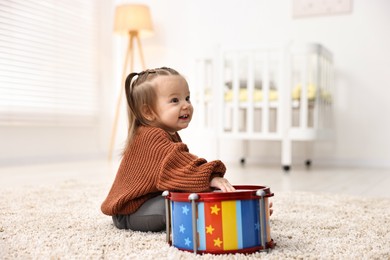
column 186, row 116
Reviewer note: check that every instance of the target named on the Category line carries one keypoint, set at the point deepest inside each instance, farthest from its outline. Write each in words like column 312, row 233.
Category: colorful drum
column 219, row 222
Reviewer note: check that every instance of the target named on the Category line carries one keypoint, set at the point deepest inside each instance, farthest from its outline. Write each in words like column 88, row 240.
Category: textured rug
column 65, row 222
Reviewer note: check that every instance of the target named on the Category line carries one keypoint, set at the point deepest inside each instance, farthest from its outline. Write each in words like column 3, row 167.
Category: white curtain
column 49, row 62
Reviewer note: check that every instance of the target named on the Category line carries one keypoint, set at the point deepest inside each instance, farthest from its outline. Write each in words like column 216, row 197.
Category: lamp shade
column 132, row 17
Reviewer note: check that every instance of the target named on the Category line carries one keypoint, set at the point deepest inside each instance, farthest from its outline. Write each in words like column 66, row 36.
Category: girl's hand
column 222, row 184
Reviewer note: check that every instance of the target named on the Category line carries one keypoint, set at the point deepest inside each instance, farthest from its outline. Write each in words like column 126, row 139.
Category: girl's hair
column 141, row 97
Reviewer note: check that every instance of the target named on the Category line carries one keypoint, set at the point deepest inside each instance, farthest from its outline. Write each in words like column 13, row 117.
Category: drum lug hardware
column 193, row 197
column 167, row 216
column 263, row 237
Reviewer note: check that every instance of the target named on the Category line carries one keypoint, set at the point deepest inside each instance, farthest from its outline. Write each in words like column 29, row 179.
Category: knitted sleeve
column 183, row 171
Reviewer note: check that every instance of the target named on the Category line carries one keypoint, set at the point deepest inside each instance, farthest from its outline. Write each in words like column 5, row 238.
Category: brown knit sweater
column 154, row 162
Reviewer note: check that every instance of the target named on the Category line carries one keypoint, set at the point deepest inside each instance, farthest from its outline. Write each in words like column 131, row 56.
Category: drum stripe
column 213, row 226
column 250, row 223
column 201, row 227
column 172, row 221
column 268, row 230
column 182, row 225
column 229, row 225
column 239, row 224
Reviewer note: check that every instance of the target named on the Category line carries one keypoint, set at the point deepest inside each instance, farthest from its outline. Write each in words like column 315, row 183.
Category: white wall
column 359, row 40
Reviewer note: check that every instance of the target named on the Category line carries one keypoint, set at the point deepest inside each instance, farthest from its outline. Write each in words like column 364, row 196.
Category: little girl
column 155, row 159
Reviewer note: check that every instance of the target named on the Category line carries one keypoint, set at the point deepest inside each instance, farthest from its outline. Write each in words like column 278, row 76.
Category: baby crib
column 276, row 92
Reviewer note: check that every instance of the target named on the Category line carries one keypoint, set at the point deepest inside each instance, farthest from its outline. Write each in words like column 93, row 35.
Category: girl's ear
column 148, row 113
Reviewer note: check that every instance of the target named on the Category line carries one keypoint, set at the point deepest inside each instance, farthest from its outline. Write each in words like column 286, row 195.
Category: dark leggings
column 149, row 217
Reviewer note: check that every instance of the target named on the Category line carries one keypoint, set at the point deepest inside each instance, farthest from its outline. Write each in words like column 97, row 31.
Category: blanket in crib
column 258, row 95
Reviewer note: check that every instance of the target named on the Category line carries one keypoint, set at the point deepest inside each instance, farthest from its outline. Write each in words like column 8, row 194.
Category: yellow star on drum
column 209, row 229
column 217, row 242
column 215, row 209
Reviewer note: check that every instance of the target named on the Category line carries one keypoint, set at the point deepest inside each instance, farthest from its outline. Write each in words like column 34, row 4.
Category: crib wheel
column 286, row 168
column 308, row 163
column 242, row 161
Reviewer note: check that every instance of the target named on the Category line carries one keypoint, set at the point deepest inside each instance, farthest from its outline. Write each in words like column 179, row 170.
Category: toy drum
column 219, row 222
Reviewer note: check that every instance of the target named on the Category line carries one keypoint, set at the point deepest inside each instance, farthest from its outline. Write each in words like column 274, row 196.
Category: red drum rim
column 268, row 245
column 244, row 192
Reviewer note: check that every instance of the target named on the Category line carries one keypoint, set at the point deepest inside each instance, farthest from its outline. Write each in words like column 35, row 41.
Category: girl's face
column 173, row 107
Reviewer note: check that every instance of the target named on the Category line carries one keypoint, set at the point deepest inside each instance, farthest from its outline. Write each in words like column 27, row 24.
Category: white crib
column 276, row 92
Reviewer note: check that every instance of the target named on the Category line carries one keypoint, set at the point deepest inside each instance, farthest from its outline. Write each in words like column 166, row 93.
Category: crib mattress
column 258, row 95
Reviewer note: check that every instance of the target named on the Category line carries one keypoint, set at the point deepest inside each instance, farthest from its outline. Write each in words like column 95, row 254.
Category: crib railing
column 269, row 92
column 253, row 65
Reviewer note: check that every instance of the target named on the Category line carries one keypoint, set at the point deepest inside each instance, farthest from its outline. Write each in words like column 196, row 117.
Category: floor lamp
column 131, row 20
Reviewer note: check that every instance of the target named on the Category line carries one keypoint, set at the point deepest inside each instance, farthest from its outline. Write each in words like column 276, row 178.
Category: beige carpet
column 64, row 222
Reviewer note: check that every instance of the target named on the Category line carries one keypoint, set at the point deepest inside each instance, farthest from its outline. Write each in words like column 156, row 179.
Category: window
column 49, row 62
